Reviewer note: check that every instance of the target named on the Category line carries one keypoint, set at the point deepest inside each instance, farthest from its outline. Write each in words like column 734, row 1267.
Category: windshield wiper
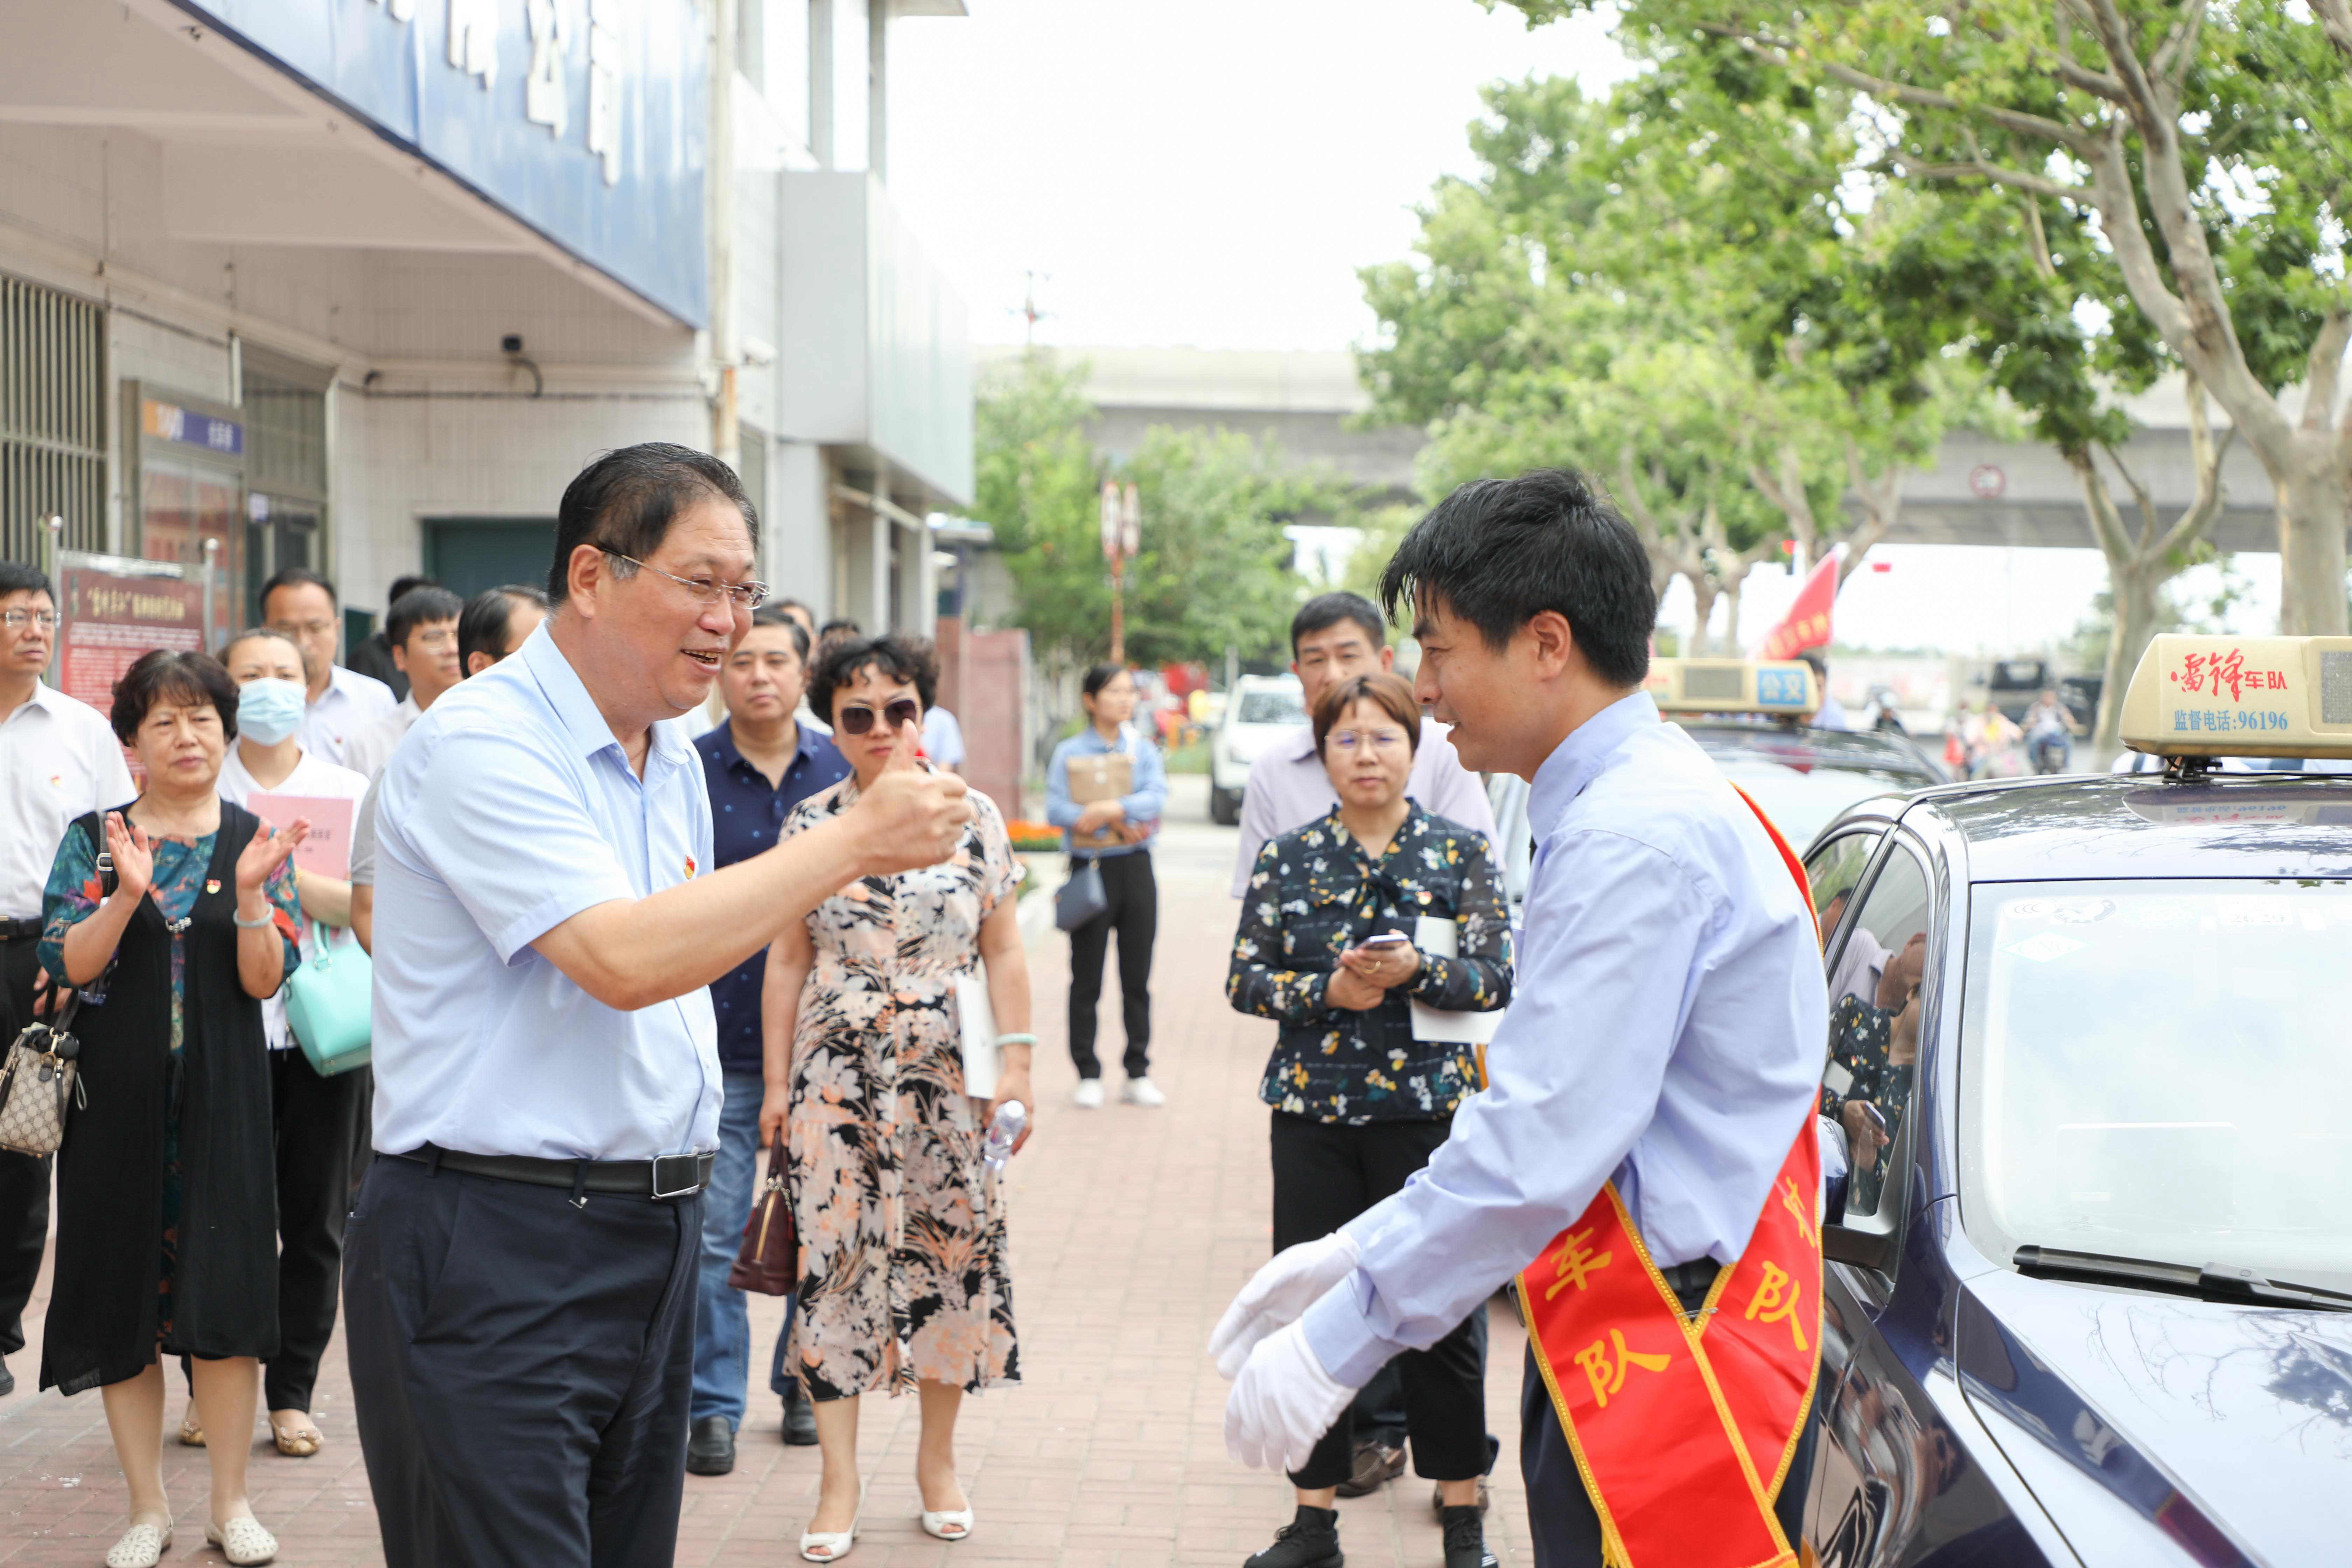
column 2210, row 1282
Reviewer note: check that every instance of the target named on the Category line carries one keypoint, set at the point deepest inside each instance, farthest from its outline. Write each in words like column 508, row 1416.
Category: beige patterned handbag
column 38, row 1083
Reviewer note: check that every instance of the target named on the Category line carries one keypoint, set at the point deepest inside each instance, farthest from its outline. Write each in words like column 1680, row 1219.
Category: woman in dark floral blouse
column 1359, row 1104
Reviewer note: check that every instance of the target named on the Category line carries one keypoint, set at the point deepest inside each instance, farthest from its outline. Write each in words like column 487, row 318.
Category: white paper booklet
column 981, row 1058
column 1431, row 933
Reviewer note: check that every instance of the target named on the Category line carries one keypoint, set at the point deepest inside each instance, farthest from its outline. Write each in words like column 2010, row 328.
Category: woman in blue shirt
column 1116, row 836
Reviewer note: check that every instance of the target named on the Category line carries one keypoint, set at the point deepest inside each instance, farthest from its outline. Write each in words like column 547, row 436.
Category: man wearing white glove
column 1663, row 1042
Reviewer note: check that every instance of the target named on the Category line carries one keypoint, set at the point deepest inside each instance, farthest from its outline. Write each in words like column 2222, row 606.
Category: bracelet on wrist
column 267, row 916
column 1016, row 1039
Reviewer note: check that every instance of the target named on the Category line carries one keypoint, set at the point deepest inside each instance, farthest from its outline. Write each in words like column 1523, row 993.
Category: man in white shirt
column 59, row 759
column 1334, row 637
column 422, row 632
column 342, row 702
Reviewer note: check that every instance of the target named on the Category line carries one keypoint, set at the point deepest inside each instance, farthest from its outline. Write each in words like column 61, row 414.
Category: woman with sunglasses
column 904, row 1282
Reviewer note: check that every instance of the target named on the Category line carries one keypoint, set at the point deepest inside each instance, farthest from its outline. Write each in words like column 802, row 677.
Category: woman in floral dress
column 904, row 1283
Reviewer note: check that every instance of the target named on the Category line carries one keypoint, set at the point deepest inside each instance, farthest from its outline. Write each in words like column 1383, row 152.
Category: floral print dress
column 73, row 895
column 902, row 1264
column 1313, row 895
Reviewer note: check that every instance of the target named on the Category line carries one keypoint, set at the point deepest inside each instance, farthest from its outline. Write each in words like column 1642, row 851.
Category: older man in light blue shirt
column 1668, row 1028
column 520, row 1270
column 466, row 1057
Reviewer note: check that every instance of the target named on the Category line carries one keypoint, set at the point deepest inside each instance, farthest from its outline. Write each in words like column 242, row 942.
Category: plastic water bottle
column 1002, row 1134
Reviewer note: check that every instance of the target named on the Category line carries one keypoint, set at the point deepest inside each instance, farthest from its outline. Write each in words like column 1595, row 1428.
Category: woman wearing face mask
column 316, row 1118
column 166, row 1245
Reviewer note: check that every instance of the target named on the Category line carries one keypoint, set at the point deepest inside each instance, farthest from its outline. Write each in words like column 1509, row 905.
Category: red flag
column 1807, row 624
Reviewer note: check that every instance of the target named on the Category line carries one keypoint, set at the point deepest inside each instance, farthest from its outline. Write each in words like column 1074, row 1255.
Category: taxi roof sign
column 2241, row 697
column 1784, row 687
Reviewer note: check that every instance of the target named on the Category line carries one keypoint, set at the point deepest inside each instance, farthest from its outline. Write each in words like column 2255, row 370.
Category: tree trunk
column 1703, row 594
column 2134, row 589
column 2315, row 504
column 1731, row 614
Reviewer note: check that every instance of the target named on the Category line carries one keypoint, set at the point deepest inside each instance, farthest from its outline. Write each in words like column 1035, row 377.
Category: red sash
column 1684, row 1431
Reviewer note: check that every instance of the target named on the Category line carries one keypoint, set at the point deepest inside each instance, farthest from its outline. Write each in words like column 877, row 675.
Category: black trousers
column 1323, row 1176
column 313, row 1118
column 1561, row 1522
column 521, row 1369
column 1134, row 913
column 23, row 1178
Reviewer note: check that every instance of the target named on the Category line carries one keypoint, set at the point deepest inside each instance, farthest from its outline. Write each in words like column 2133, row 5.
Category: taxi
column 2086, row 1126
column 1754, row 718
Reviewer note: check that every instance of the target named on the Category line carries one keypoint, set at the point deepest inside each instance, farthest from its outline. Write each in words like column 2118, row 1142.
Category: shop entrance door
column 468, row 554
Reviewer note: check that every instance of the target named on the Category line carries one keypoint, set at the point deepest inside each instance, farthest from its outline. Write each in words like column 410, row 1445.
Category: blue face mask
column 269, row 710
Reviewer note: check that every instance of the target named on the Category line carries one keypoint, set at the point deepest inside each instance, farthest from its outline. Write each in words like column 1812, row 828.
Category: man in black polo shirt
column 761, row 763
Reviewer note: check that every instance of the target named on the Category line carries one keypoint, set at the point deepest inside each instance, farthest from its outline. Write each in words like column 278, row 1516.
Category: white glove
column 1282, row 1404
column 1278, row 1293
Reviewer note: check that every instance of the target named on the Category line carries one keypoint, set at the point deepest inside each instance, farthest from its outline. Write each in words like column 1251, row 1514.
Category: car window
column 1873, row 1045
column 2158, row 1070
column 1275, row 706
column 1831, row 871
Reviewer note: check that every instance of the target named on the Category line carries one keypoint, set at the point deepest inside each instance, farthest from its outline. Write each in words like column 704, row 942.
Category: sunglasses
column 857, row 718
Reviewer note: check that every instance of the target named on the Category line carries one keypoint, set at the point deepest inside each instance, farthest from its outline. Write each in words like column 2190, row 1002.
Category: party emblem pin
column 213, row 885
column 690, row 868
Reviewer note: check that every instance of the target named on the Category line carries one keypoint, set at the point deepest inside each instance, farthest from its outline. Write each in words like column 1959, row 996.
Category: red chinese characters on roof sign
column 2216, row 673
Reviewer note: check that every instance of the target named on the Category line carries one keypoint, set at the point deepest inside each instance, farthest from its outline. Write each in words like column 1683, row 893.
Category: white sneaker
column 1142, row 1091
column 1089, row 1094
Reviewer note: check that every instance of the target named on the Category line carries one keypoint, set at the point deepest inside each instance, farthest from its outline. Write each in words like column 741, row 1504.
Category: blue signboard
column 585, row 119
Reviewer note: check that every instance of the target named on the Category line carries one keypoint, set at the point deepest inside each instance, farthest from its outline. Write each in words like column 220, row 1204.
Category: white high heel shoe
column 948, row 1523
column 832, row 1545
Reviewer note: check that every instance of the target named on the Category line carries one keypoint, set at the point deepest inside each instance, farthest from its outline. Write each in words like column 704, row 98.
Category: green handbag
column 328, row 1002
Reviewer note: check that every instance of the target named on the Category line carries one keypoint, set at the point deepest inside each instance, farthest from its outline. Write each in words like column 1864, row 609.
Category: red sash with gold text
column 1684, row 1431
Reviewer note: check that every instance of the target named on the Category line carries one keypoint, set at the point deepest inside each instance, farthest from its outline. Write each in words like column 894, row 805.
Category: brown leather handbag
column 768, row 1260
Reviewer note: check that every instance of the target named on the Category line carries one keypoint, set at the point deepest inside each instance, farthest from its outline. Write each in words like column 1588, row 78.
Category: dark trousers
column 1134, row 913
column 521, row 1368
column 1561, row 1522
column 1325, row 1177
column 313, row 1118
column 23, row 1178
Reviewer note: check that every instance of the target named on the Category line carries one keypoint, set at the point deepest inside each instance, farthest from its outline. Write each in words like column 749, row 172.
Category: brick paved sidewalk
column 1131, row 1229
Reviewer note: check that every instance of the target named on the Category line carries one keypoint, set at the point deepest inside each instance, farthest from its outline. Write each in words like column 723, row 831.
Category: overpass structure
column 1981, row 490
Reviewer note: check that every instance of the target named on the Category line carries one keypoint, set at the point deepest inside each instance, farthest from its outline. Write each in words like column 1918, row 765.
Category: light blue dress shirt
column 1147, row 802
column 1667, row 1032
column 509, row 808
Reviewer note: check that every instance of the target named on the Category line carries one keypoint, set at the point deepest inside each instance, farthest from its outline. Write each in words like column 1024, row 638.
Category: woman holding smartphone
column 1331, row 947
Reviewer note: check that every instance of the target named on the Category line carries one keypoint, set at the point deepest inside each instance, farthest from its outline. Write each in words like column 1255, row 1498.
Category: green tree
column 1665, row 285
column 1215, row 569
column 1036, row 480
column 2207, row 150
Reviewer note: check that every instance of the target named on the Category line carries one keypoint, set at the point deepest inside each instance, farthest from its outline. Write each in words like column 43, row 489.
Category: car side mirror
column 1866, row 1249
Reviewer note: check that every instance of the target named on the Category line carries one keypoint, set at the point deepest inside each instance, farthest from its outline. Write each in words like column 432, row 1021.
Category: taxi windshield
column 2160, row 1071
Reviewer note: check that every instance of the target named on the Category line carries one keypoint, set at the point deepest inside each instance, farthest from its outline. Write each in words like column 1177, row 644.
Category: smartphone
column 1386, row 940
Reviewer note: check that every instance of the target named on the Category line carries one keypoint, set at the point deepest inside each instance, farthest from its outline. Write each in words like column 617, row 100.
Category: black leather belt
column 667, row 1179
column 18, row 931
column 1698, row 1274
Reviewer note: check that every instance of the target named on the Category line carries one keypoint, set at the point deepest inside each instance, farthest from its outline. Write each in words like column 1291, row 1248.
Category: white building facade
column 361, row 284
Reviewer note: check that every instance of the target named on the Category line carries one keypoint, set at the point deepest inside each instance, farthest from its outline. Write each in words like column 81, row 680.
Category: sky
column 1208, row 173
column 1212, row 174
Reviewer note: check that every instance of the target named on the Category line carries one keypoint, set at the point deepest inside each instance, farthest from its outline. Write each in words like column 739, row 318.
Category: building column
column 798, row 547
